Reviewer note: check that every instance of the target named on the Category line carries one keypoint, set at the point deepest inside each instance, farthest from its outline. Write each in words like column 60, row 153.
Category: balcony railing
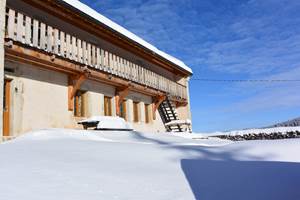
column 36, row 34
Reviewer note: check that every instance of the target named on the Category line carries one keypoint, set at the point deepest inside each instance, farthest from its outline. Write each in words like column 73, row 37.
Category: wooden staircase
column 167, row 111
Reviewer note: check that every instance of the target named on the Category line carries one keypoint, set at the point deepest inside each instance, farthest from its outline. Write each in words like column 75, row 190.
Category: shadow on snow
column 217, row 175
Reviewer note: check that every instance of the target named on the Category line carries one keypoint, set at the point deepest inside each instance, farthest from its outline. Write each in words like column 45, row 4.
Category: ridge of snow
column 102, row 19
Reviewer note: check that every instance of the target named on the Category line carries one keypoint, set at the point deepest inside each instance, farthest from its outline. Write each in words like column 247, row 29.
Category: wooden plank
column 105, row 61
column 126, row 69
column 43, row 36
column 110, row 63
column 93, row 60
column 113, row 66
column 62, row 44
column 79, row 51
column 89, row 61
column 28, row 30
column 11, row 26
column 122, row 72
column 98, row 58
column 84, row 56
column 35, row 38
column 68, row 46
column 102, row 59
column 74, row 49
column 56, row 41
column 49, row 38
column 20, row 28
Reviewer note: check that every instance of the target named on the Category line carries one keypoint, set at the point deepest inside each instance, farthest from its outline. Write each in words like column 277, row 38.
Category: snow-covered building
column 61, row 61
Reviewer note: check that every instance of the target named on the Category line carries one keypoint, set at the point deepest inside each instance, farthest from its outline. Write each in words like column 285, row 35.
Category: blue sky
column 224, row 39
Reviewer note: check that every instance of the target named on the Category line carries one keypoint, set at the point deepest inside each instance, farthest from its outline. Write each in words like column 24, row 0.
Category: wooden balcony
column 37, row 35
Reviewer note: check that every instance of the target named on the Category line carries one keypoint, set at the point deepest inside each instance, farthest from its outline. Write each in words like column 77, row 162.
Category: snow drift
column 66, row 164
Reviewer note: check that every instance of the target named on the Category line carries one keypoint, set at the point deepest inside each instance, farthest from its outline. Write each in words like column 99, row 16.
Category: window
column 107, row 106
column 135, row 111
column 79, row 100
column 147, row 113
column 123, row 110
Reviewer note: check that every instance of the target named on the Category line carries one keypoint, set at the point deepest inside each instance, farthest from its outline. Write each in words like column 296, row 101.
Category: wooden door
column 107, row 106
column 6, row 107
column 135, row 111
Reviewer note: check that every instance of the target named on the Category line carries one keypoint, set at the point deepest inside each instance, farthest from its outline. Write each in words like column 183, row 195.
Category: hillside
column 293, row 122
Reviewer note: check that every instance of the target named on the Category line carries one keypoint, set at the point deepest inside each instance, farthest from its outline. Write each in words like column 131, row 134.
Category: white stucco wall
column 2, row 33
column 39, row 100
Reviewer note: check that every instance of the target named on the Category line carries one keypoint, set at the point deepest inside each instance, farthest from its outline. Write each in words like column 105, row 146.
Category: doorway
column 6, row 107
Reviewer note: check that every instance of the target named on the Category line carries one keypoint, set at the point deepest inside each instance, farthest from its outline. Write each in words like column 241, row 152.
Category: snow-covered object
column 77, row 165
column 282, row 130
column 187, row 123
column 179, row 122
column 108, row 123
column 104, row 20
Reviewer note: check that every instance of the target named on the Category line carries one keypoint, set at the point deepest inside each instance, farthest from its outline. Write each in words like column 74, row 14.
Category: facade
column 61, row 62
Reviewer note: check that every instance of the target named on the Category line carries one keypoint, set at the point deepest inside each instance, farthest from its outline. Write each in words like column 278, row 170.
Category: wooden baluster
column 28, row 30
column 56, row 41
column 89, row 54
column 102, row 59
column 35, row 39
column 79, row 51
column 49, row 38
column 97, row 58
column 62, row 44
column 43, row 36
column 74, row 49
column 20, row 28
column 11, row 26
column 93, row 60
column 68, row 46
column 84, row 56
column 106, row 60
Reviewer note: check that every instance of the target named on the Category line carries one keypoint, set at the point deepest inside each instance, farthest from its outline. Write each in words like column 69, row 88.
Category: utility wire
column 245, row 80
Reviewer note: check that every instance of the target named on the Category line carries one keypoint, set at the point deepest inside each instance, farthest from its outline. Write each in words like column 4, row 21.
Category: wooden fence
column 29, row 31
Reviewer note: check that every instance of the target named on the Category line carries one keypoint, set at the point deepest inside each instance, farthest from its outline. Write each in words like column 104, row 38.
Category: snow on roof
column 104, row 20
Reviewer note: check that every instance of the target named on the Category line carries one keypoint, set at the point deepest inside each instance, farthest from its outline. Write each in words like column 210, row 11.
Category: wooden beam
column 121, row 93
column 74, row 84
column 156, row 103
column 180, row 103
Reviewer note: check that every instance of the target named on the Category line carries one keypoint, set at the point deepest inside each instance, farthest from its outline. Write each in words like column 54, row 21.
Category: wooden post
column 156, row 103
column 121, row 93
column 74, row 84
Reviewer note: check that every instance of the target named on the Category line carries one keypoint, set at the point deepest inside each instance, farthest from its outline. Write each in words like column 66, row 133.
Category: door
column 6, row 107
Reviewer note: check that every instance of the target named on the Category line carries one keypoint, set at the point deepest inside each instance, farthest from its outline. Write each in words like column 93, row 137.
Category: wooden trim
column 121, row 93
column 74, row 83
column 156, row 103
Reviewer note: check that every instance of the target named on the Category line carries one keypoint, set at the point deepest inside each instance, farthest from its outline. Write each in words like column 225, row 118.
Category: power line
column 245, row 80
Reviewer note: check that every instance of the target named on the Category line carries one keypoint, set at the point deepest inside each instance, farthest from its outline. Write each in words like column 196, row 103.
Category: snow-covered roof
column 104, row 20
